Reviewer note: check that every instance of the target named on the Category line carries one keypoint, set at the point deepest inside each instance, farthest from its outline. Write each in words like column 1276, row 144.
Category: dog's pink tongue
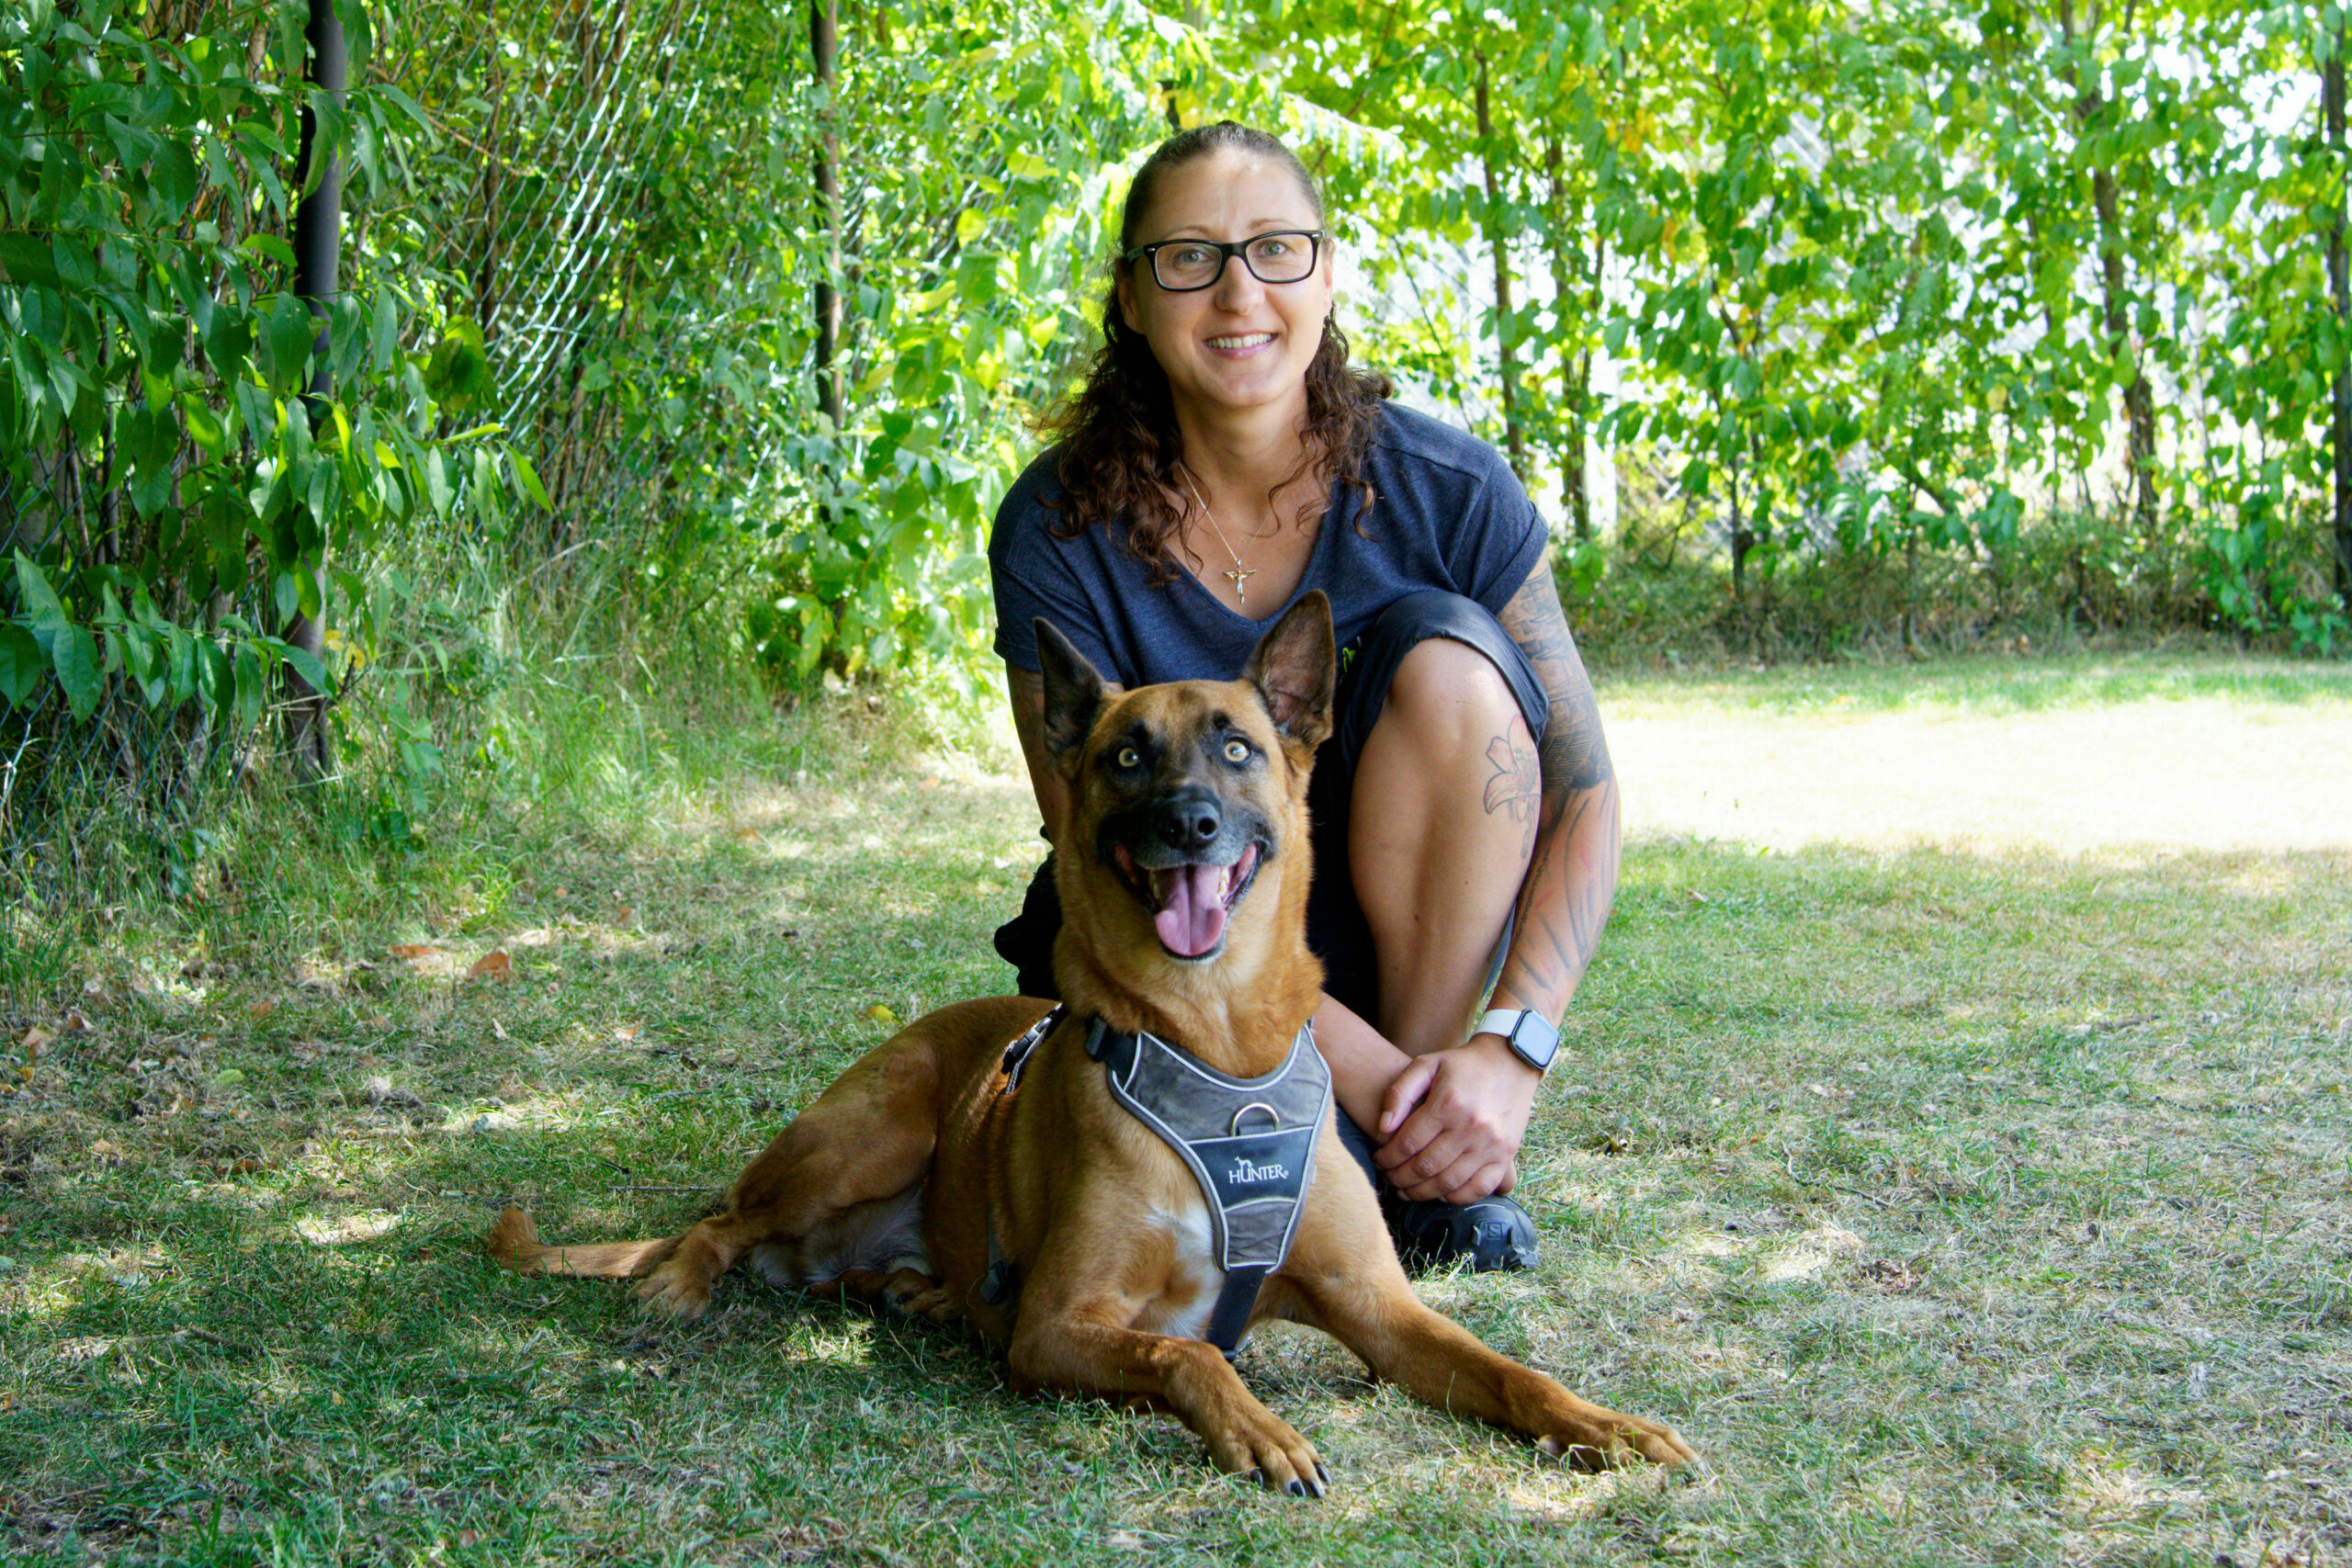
column 1191, row 917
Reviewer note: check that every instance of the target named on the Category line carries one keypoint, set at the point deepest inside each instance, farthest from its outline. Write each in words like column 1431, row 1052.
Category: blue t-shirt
column 1447, row 513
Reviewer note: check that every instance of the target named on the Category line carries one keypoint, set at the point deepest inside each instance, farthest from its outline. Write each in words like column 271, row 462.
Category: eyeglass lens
column 1273, row 258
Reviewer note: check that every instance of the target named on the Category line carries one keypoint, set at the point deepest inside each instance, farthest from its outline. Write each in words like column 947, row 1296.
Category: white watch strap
column 1508, row 1023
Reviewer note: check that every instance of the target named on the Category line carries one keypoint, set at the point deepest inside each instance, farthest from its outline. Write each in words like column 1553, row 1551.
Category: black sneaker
column 1492, row 1233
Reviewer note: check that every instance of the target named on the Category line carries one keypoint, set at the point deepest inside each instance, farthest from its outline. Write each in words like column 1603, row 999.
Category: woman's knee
column 1449, row 688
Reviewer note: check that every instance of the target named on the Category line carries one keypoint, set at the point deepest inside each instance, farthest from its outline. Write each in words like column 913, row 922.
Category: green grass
column 1958, row 1209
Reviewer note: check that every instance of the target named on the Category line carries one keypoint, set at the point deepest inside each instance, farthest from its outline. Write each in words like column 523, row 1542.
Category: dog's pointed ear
column 1295, row 667
column 1073, row 691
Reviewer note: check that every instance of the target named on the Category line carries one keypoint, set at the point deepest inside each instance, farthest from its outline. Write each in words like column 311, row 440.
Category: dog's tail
column 514, row 1242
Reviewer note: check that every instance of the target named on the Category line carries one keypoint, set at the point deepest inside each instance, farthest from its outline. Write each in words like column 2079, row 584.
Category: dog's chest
column 1182, row 1308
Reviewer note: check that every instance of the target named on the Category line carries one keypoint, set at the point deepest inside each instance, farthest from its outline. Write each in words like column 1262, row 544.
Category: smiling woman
column 1223, row 459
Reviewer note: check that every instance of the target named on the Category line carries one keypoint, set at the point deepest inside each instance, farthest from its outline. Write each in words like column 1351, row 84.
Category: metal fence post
column 318, row 237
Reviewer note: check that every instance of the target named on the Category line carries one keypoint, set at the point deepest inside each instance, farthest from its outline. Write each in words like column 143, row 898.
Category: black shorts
column 1337, row 932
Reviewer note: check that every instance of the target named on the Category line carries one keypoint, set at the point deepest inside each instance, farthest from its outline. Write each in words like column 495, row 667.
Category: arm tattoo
column 1572, row 877
column 1576, row 754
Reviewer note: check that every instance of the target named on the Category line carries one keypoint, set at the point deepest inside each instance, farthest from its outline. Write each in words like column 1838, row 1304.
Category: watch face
column 1532, row 1040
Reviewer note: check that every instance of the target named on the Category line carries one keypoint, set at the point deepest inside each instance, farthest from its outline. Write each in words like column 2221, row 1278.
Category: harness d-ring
column 1272, row 1114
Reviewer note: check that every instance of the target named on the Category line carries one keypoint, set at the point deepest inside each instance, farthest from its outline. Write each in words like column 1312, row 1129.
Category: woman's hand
column 1453, row 1120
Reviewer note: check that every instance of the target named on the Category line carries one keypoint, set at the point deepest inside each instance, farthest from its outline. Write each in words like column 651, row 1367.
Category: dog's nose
column 1189, row 821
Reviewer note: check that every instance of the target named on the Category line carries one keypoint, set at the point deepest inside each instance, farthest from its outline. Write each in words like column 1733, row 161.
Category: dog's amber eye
column 1129, row 756
column 1236, row 751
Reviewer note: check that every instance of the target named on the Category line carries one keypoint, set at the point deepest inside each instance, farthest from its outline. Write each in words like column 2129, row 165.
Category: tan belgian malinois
column 1037, row 1203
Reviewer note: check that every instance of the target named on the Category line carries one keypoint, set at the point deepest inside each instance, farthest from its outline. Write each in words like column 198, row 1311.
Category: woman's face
column 1239, row 343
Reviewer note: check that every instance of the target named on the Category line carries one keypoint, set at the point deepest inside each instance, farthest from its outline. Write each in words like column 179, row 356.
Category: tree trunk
column 2339, row 276
column 1576, row 366
column 824, row 49
column 318, row 234
column 1497, row 239
column 2138, row 393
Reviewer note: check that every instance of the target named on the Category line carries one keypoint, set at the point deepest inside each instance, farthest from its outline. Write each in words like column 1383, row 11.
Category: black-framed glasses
column 1182, row 266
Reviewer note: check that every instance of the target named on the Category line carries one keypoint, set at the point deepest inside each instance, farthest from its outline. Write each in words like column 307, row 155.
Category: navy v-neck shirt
column 1448, row 513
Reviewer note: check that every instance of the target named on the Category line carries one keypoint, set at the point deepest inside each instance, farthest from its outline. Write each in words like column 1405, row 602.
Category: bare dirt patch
column 2206, row 773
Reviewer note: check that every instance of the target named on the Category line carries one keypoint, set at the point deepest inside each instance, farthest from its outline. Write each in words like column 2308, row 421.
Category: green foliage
column 1870, row 281
column 1979, row 285
column 181, row 487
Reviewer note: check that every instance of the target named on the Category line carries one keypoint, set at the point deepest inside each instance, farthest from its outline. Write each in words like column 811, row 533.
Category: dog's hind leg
column 867, row 1138
column 907, row 1290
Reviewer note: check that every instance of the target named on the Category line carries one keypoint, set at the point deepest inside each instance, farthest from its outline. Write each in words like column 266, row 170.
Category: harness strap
column 1236, row 1300
column 1000, row 1286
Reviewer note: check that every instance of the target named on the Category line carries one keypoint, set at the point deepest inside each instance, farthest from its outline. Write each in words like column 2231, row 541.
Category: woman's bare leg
column 1441, row 823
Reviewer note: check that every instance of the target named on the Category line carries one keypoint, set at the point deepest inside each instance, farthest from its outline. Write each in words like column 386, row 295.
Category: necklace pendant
column 1240, row 593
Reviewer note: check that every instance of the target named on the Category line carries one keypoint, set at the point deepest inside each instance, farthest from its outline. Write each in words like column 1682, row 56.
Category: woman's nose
column 1237, row 285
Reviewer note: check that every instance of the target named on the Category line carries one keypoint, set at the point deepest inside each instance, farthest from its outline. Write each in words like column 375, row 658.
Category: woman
column 1221, row 461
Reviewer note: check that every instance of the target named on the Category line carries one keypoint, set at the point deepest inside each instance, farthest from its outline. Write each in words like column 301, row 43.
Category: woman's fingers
column 1467, row 1128
column 1488, row 1180
column 1406, row 1092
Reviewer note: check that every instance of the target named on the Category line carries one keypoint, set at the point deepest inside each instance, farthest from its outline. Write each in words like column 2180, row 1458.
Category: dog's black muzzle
column 1189, row 856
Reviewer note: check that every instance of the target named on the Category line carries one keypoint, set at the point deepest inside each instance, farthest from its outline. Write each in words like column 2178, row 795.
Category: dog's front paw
column 1269, row 1451
column 678, row 1292
column 1610, row 1440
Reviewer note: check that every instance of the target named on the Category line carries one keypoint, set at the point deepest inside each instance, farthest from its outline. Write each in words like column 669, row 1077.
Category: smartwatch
column 1531, row 1038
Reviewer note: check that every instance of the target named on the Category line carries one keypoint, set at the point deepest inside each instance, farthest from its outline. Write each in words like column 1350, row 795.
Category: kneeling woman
column 1221, row 461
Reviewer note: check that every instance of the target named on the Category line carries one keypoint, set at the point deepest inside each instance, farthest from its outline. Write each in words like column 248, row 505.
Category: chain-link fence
column 535, row 213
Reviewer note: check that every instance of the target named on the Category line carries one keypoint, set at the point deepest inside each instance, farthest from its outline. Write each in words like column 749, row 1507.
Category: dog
column 945, row 1177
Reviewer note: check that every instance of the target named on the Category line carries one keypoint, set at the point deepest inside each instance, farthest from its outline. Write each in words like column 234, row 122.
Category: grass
column 1959, row 1208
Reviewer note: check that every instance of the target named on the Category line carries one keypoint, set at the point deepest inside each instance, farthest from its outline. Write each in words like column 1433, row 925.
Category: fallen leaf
column 747, row 835
column 625, row 1033
column 262, row 1009
column 622, row 915
column 36, row 1039
column 415, row 952
column 497, row 1030
column 77, row 1022
column 493, row 967
column 105, row 1150
column 881, row 1014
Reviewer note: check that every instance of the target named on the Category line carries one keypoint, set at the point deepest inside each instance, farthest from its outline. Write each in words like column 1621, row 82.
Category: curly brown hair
column 1118, row 435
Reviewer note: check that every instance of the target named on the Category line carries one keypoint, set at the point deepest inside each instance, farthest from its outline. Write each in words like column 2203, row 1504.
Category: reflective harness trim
column 1249, row 1143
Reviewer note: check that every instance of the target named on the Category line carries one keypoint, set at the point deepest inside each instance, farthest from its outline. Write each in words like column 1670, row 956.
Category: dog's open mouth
column 1189, row 904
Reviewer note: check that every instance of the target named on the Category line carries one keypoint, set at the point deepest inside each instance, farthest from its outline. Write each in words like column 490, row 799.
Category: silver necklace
column 1239, row 574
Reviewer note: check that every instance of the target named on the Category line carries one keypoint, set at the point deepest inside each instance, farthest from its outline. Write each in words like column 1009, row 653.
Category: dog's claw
column 1295, row 1487
column 1322, row 1474
column 1257, row 1478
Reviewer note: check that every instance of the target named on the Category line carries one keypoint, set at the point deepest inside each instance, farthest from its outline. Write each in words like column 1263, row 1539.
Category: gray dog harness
column 1248, row 1142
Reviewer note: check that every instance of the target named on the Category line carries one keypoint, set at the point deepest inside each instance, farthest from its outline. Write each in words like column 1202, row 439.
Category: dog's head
column 1187, row 820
